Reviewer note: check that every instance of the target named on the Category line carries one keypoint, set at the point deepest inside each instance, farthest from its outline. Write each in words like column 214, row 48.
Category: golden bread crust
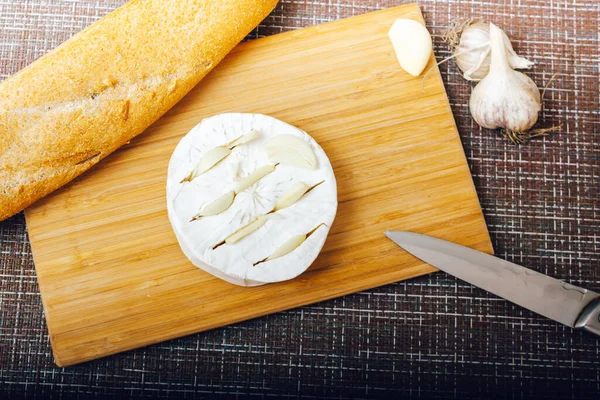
column 72, row 107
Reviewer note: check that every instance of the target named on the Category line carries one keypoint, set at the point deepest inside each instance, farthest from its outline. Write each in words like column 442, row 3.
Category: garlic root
column 452, row 34
column 524, row 137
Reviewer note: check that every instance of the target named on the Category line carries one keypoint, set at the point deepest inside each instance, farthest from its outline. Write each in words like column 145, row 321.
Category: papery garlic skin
column 505, row 98
column 473, row 52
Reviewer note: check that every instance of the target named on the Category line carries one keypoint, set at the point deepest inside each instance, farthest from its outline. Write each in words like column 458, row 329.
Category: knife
column 570, row 305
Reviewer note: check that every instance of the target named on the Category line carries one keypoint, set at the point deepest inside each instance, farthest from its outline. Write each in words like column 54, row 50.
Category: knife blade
column 555, row 299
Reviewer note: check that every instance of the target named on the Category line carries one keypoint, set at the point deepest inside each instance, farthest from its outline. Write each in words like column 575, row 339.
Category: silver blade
column 540, row 293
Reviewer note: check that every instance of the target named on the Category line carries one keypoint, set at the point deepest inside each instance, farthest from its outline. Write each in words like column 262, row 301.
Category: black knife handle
column 589, row 320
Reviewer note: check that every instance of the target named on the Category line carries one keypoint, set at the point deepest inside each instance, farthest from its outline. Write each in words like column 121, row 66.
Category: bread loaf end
column 77, row 104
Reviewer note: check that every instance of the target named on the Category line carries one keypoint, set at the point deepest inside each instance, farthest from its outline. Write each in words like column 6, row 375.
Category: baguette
column 72, row 107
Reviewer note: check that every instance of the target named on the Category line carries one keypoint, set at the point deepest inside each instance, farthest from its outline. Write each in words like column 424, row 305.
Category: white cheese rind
column 235, row 263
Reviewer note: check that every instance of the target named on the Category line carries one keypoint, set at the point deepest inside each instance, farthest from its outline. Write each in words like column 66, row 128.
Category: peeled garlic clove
column 291, row 196
column 218, row 206
column 254, row 177
column 253, row 134
column 289, row 149
column 505, row 98
column 209, row 160
column 246, row 230
column 412, row 43
column 286, row 248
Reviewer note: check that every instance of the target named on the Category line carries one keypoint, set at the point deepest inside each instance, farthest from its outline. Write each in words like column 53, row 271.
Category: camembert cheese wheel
column 251, row 199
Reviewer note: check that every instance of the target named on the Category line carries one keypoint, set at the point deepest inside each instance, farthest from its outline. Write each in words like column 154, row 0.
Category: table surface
column 431, row 336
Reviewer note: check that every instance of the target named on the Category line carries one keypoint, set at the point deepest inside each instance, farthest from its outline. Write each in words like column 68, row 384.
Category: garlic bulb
column 505, row 98
column 473, row 52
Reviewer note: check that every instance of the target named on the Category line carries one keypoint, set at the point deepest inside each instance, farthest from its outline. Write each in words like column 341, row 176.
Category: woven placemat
column 427, row 337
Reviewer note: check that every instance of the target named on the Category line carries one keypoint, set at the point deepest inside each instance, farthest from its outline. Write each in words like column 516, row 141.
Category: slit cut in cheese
column 220, row 241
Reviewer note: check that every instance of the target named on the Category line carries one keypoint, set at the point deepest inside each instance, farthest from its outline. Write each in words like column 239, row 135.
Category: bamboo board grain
column 111, row 274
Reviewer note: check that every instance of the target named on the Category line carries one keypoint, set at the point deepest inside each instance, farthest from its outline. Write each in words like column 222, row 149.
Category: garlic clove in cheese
column 210, row 159
column 218, row 206
column 412, row 44
column 246, row 230
column 288, row 149
column 254, row 177
column 283, row 268
column 253, row 134
column 291, row 196
column 238, row 243
column 287, row 247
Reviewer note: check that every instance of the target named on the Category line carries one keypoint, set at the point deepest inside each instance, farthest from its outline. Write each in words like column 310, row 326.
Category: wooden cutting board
column 111, row 274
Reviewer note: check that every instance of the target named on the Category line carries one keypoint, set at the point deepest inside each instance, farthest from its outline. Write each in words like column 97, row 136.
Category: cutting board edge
column 308, row 29
column 490, row 246
column 33, row 244
column 420, row 269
